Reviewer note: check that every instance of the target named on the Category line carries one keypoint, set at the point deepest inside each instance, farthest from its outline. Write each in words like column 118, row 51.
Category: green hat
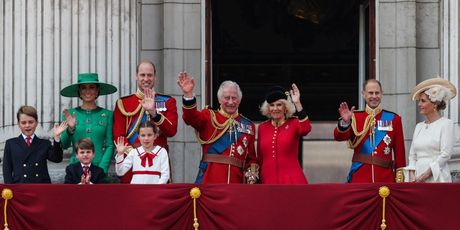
column 88, row 78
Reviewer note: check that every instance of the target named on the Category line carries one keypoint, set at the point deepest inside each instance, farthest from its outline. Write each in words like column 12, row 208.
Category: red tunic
column 242, row 149
column 278, row 150
column 166, row 121
column 381, row 174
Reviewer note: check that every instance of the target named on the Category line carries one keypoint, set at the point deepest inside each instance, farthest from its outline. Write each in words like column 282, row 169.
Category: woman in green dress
column 89, row 120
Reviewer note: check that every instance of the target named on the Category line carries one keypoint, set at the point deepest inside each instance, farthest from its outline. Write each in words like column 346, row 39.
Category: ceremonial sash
column 221, row 144
column 367, row 149
column 160, row 105
column 134, row 125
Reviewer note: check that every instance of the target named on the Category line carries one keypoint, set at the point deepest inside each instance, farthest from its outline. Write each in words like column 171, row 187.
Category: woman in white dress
column 433, row 139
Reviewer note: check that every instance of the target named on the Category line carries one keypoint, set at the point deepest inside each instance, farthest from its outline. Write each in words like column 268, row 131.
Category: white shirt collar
column 82, row 165
column 31, row 137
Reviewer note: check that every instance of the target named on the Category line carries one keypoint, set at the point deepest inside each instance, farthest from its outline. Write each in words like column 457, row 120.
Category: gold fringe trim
column 7, row 194
column 369, row 125
column 124, row 112
column 195, row 193
column 189, row 107
column 136, row 125
column 218, row 126
column 399, row 175
column 384, row 192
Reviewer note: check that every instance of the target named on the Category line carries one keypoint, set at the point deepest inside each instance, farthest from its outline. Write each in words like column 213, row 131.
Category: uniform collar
column 140, row 94
column 375, row 111
column 223, row 113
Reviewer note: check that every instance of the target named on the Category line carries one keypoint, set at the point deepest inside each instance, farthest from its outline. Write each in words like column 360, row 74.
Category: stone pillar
column 397, row 24
column 170, row 36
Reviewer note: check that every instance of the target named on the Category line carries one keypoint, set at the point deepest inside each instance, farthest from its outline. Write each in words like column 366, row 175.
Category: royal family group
column 136, row 136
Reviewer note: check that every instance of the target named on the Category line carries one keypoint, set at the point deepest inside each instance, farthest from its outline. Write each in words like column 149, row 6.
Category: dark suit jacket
column 24, row 164
column 74, row 171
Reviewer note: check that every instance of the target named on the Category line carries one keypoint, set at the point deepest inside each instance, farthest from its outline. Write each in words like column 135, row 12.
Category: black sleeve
column 301, row 114
column 341, row 128
column 7, row 164
column 188, row 103
column 68, row 176
column 55, row 153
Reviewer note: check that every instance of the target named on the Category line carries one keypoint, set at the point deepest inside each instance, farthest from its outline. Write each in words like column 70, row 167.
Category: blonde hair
column 290, row 108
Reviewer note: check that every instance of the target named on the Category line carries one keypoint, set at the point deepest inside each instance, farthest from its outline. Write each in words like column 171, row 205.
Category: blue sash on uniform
column 220, row 145
column 162, row 99
column 367, row 149
column 133, row 138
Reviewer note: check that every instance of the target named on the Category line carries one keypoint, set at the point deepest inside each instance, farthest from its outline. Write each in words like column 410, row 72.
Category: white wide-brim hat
column 450, row 91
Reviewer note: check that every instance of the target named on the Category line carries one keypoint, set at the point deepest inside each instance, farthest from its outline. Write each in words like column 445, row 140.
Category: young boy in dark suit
column 84, row 172
column 25, row 157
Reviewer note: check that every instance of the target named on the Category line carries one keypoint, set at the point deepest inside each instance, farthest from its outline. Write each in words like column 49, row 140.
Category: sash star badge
column 240, row 150
column 387, row 139
column 386, row 150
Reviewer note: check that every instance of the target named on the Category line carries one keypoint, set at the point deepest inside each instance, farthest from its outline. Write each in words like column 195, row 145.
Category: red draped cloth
column 234, row 206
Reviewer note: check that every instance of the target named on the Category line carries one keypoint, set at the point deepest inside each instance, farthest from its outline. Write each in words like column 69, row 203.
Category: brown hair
column 27, row 110
column 148, row 124
column 84, row 143
column 146, row 62
column 440, row 105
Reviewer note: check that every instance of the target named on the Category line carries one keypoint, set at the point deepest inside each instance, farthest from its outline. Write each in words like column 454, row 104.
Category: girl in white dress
column 433, row 140
column 149, row 162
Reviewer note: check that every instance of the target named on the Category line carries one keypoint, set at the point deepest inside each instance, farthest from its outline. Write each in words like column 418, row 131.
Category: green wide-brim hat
column 88, row 78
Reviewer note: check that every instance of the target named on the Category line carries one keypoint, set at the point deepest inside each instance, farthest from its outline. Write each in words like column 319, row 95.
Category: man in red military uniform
column 376, row 136
column 144, row 105
column 226, row 137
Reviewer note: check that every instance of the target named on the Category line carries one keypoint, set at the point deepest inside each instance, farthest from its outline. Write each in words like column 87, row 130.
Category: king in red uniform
column 144, row 105
column 376, row 136
column 226, row 137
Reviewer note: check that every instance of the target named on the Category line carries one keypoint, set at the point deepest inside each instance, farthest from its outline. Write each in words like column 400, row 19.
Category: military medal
column 385, row 125
column 239, row 126
column 245, row 142
column 249, row 129
column 160, row 106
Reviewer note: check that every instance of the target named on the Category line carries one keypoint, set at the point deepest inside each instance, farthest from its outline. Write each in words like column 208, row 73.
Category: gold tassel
column 7, row 194
column 195, row 193
column 384, row 192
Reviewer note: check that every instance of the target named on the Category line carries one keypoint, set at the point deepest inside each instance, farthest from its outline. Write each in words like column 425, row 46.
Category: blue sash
column 220, row 145
column 160, row 100
column 133, row 138
column 367, row 149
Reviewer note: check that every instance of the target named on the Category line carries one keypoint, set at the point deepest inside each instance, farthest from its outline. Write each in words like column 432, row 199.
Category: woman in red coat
column 278, row 137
